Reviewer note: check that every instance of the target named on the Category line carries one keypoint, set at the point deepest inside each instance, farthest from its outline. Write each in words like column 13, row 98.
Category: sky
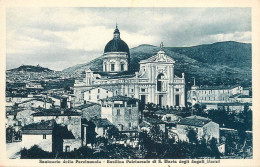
column 59, row 38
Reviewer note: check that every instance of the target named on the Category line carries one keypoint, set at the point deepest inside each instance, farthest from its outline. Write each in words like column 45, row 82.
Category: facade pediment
column 158, row 58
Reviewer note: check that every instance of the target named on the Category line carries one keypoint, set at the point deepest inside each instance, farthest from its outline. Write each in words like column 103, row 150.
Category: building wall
column 72, row 143
column 94, row 95
column 45, row 144
column 116, row 58
column 118, row 114
column 73, row 122
column 207, row 131
column 35, row 104
column 211, row 130
column 212, row 95
column 107, row 112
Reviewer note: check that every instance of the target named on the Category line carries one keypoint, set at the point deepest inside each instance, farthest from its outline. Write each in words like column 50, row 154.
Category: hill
column 222, row 63
column 30, row 68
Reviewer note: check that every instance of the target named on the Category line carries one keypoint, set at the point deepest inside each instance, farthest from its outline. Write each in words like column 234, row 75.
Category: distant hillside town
column 166, row 103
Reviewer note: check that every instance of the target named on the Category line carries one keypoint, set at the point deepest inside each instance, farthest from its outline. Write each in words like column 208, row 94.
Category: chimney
column 63, row 103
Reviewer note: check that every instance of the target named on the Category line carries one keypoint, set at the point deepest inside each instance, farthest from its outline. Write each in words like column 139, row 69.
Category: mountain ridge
column 220, row 63
column 30, row 68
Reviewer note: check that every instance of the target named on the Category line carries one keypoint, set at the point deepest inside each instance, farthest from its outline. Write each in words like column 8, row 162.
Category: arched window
column 159, row 82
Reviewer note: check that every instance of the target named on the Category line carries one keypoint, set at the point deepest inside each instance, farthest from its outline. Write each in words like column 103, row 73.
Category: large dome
column 116, row 45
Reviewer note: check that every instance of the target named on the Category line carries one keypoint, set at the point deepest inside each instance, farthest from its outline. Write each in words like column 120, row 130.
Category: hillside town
column 116, row 113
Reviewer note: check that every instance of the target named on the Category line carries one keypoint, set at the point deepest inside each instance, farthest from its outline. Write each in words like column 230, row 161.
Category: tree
column 35, row 152
column 214, row 148
column 156, row 134
column 113, row 132
column 91, row 134
column 192, row 135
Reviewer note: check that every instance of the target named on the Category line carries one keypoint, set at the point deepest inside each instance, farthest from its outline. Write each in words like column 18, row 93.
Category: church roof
column 116, row 45
column 119, row 98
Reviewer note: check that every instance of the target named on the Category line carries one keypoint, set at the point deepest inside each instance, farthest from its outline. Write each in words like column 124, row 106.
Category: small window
column 118, row 112
column 44, row 136
column 67, row 149
column 122, row 67
column 97, row 96
column 129, row 124
column 89, row 97
column 98, row 90
column 142, row 90
column 107, row 91
column 132, row 90
column 112, row 67
column 130, row 111
column 177, row 90
column 116, row 92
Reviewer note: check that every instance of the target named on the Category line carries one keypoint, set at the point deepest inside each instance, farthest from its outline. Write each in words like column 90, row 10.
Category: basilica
column 155, row 82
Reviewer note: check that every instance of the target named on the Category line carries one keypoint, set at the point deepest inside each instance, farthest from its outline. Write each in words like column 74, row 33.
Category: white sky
column 58, row 38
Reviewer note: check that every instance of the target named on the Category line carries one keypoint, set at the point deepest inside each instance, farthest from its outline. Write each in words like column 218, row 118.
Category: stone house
column 89, row 110
column 49, row 136
column 67, row 117
column 121, row 111
column 95, row 94
column 40, row 134
column 204, row 128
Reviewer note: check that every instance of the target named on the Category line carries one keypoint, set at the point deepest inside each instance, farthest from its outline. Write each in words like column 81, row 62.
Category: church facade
column 155, row 82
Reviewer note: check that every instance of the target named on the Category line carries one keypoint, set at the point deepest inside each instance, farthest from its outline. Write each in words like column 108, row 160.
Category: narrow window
column 122, row 67
column 118, row 112
column 112, row 67
column 98, row 90
column 130, row 112
column 44, row 136
column 97, row 96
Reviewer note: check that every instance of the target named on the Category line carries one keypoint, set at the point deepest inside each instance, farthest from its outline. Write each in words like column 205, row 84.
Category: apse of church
column 155, row 82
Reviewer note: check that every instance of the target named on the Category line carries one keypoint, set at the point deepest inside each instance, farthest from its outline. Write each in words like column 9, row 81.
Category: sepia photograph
column 128, row 84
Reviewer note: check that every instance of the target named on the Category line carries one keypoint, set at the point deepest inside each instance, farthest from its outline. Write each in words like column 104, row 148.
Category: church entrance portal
column 177, row 100
column 143, row 99
column 160, row 100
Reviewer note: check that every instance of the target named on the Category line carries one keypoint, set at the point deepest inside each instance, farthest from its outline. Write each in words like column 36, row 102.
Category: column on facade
column 183, row 96
column 136, row 91
column 127, row 89
column 150, row 95
column 123, row 88
column 153, row 94
column 117, row 65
